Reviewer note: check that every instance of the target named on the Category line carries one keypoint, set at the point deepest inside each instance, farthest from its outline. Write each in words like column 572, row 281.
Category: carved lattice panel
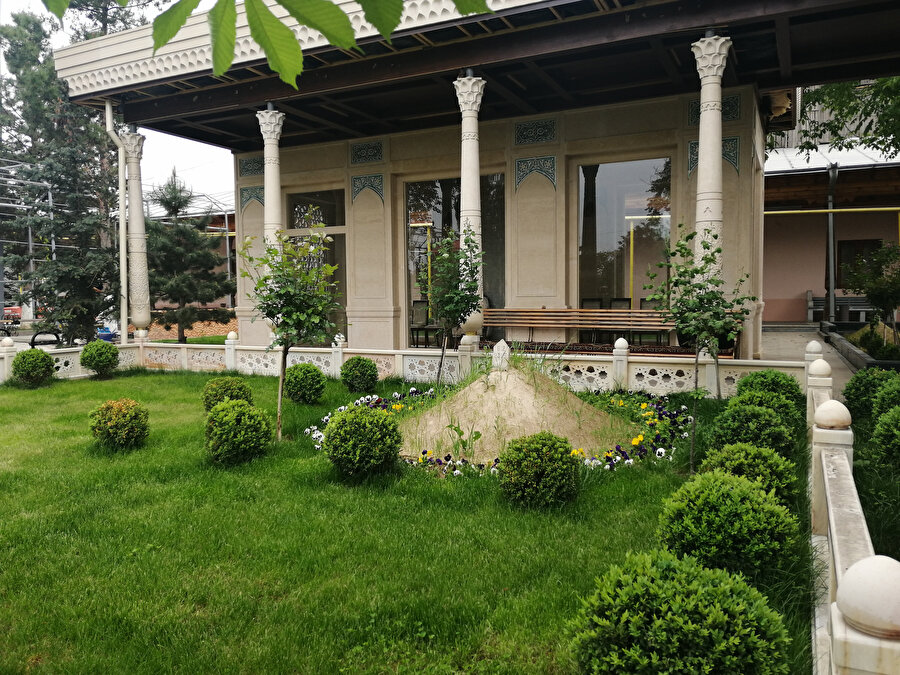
column 583, row 376
column 660, row 380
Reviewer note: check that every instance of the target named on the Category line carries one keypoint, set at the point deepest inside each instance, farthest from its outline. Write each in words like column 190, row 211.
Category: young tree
column 67, row 157
column 693, row 298
column 453, row 292
column 182, row 261
column 294, row 292
column 877, row 276
column 860, row 114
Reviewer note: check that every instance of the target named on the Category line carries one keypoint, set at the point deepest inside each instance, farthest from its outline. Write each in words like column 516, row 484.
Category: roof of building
column 793, row 160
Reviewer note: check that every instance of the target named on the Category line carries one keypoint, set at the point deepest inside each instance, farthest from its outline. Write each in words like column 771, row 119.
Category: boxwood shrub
column 100, row 356
column 304, row 383
column 886, row 437
column 33, row 367
column 539, row 470
column 120, row 424
column 887, row 397
column 727, row 521
column 861, row 388
column 787, row 410
column 220, row 389
column 236, row 431
column 359, row 374
column 752, row 424
column 362, row 440
column 656, row 613
column 774, row 381
column 763, row 465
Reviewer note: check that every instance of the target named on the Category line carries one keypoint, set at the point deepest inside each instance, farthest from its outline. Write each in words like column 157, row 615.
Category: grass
column 153, row 560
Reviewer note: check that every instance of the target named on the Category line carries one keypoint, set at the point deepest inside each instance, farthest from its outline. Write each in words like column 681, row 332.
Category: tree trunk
column 284, row 354
column 182, row 338
column 694, row 406
column 441, row 362
column 715, row 355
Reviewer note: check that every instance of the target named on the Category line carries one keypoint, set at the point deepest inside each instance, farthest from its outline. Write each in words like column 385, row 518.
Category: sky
column 205, row 169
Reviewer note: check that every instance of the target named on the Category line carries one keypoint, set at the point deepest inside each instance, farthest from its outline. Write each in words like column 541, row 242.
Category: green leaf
column 277, row 41
column 57, row 7
column 222, row 18
column 383, row 14
column 167, row 24
column 325, row 17
column 472, row 6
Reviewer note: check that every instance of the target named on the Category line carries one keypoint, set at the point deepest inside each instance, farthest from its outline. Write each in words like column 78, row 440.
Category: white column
column 270, row 122
column 138, row 280
column 711, row 54
column 469, row 91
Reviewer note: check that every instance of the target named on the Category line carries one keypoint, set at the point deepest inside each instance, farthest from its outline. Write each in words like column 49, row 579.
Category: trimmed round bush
column 727, row 521
column 362, row 440
column 887, row 397
column 658, row 614
column 359, row 374
column 220, row 389
column 33, row 367
column 539, row 470
column 788, row 412
column 304, row 383
column 773, row 381
column 860, row 391
column 120, row 424
column 762, row 465
column 236, row 431
column 101, row 357
column 752, row 424
column 886, row 437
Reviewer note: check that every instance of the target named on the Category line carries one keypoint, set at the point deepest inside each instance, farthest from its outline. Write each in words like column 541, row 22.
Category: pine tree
column 182, row 261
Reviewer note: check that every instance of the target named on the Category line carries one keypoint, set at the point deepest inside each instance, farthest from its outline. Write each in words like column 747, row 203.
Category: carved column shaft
column 711, row 54
column 469, row 91
column 138, row 279
column 270, row 122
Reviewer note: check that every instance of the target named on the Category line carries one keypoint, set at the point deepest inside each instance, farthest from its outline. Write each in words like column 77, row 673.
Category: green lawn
column 155, row 561
column 206, row 340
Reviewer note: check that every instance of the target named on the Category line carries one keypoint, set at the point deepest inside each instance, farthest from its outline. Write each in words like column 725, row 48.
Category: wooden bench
column 843, row 305
column 616, row 321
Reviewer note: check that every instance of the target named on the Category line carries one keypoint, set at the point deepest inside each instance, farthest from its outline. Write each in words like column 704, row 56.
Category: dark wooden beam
column 783, row 42
column 550, row 82
column 514, row 46
column 666, row 61
column 294, row 111
column 524, row 106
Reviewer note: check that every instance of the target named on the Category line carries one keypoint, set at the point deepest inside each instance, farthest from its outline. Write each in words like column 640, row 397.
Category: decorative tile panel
column 731, row 153
column 581, row 376
column 536, row 131
column 248, row 194
column 384, row 363
column 257, row 362
column 250, row 166
column 206, row 359
column 546, row 166
column 731, row 110
column 127, row 358
column 321, row 361
column 658, row 380
column 424, row 369
column 162, row 357
column 374, row 182
column 367, row 153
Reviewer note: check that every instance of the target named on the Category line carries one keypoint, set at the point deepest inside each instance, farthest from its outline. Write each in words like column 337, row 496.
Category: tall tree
column 67, row 185
column 182, row 262
column 866, row 113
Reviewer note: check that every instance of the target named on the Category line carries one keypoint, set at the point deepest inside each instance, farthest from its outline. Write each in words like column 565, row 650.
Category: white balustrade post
column 711, row 54
column 469, row 91
column 708, row 366
column 270, row 122
column 7, row 354
column 620, row 364
column 231, row 343
column 831, row 430
column 818, row 387
column 338, row 345
column 813, row 353
column 138, row 279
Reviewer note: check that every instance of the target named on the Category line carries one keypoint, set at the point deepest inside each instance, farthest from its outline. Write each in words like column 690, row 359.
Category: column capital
column 469, row 91
column 134, row 146
column 270, row 122
column 711, row 54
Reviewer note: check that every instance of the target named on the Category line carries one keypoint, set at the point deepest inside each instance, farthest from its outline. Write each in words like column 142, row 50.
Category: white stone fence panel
column 857, row 622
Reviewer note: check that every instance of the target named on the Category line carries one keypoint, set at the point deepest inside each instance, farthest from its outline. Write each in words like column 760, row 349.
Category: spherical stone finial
column 621, row 343
column 869, row 596
column 813, row 347
column 833, row 415
column 819, row 368
column 231, row 336
column 7, row 342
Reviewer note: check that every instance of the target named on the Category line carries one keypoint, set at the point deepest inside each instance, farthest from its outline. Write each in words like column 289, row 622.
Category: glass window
column 432, row 210
column 623, row 229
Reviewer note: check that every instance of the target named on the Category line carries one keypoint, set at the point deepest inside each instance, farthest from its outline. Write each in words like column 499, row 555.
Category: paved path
column 783, row 344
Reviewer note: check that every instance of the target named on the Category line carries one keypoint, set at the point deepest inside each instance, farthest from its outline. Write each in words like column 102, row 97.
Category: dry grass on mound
column 503, row 405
